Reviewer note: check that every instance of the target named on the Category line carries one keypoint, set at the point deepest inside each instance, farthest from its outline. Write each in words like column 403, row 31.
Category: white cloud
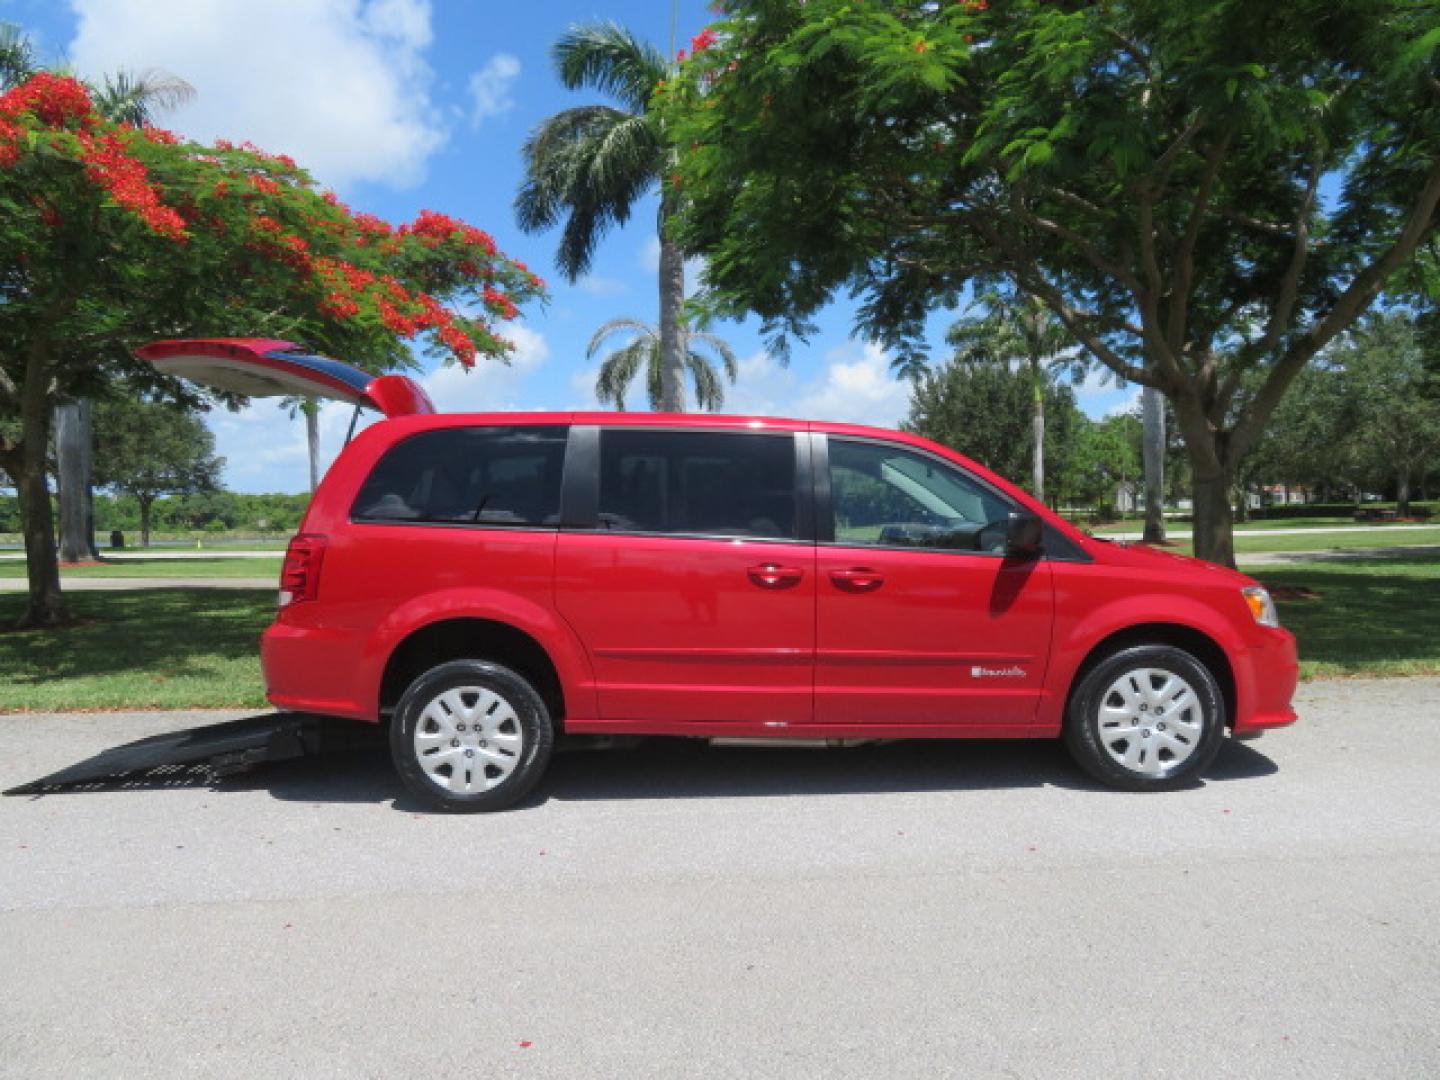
column 1127, row 404
column 340, row 85
column 490, row 88
column 856, row 387
column 604, row 287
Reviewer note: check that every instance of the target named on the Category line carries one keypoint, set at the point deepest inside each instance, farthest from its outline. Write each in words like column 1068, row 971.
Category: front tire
column 1146, row 718
column 470, row 736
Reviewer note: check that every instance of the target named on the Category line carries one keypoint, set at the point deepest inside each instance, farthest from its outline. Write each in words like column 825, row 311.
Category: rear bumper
column 313, row 670
column 1265, row 684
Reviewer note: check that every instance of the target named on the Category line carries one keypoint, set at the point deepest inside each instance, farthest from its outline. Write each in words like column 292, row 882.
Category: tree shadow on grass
column 167, row 633
column 1368, row 612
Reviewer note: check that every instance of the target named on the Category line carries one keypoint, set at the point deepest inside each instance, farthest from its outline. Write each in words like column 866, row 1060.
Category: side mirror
column 1024, row 534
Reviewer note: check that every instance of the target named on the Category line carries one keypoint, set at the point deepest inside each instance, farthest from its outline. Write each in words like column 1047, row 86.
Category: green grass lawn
column 1248, row 526
column 1335, row 541
column 140, row 649
column 198, row 648
column 1373, row 616
column 161, row 568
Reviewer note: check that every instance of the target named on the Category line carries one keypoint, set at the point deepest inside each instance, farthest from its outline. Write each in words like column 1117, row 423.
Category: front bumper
column 1265, row 687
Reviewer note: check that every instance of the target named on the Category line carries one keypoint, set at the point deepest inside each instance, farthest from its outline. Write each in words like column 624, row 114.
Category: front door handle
column 774, row 576
column 857, row 579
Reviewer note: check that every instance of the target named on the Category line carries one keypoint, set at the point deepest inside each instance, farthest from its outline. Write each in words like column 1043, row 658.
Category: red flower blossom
column 703, row 40
column 127, row 181
column 337, row 305
column 370, row 225
column 458, row 343
column 435, row 228
column 53, row 99
column 160, row 135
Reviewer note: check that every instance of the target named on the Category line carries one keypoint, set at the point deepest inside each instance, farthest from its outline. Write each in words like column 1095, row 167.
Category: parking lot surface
column 917, row 909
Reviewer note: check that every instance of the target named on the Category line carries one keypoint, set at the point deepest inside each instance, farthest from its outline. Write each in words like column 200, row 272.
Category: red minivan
column 486, row 583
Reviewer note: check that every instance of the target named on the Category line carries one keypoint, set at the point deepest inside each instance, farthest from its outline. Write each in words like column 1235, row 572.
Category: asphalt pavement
column 910, row 910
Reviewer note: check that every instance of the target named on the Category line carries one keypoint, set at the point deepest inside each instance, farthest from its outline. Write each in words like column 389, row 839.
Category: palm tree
column 590, row 164
column 1011, row 325
column 643, row 349
column 125, row 99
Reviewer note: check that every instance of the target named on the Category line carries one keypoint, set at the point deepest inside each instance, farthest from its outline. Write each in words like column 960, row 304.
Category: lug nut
column 1145, row 734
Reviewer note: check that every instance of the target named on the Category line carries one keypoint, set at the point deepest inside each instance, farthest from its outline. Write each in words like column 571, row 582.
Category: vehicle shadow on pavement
column 686, row 769
column 689, row 769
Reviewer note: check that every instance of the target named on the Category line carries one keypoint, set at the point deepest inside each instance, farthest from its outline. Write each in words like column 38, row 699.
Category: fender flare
column 572, row 665
column 1142, row 609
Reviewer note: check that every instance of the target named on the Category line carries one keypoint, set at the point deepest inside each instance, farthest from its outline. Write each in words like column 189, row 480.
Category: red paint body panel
column 905, row 653
column 672, row 635
column 676, row 629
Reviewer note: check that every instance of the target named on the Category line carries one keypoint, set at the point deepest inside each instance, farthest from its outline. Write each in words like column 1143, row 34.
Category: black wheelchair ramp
column 207, row 753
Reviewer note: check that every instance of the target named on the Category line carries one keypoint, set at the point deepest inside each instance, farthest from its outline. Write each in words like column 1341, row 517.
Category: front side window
column 698, row 483
column 493, row 476
column 887, row 496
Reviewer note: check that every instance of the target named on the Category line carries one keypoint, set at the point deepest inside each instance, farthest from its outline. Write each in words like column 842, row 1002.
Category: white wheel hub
column 1151, row 721
column 468, row 739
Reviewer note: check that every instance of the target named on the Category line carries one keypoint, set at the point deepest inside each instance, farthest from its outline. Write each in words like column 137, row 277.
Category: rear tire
column 470, row 736
column 1146, row 718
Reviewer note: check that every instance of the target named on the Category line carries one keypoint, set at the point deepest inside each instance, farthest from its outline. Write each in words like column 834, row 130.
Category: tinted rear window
column 698, row 483
column 483, row 476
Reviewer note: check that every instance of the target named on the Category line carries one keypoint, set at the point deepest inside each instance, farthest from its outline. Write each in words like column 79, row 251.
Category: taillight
column 300, row 575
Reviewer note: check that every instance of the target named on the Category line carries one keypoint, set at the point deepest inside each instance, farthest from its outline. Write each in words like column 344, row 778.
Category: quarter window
column 698, row 483
column 887, row 496
column 494, row 476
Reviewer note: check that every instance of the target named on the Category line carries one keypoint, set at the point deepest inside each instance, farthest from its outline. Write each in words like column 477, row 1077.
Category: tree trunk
column 1037, row 429
column 145, row 505
column 1214, row 529
column 73, row 442
column 1153, row 453
column 1402, row 491
column 672, row 296
column 311, row 409
column 44, row 605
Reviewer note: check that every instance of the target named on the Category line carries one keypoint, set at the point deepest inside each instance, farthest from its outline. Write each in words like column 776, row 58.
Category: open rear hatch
column 265, row 367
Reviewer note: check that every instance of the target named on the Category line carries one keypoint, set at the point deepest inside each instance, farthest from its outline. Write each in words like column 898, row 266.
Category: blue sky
column 404, row 104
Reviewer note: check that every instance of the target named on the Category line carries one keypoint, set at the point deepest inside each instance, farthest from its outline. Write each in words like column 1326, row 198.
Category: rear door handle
column 774, row 576
column 857, row 579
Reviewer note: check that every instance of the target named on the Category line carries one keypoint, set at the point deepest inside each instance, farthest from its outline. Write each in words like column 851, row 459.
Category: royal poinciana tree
column 112, row 235
column 1199, row 190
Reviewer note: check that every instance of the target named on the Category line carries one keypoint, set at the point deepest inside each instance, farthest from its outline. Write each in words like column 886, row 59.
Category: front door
column 693, row 584
column 922, row 620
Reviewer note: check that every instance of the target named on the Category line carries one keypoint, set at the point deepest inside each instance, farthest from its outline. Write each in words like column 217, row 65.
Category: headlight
column 1261, row 606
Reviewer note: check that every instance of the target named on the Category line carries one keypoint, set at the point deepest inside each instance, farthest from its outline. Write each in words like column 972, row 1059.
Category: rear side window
column 693, row 483
column 493, row 476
